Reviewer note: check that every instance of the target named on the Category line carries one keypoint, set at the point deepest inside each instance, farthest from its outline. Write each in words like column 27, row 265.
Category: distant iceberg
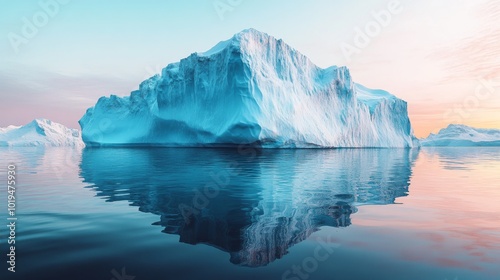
column 40, row 132
column 462, row 135
column 250, row 89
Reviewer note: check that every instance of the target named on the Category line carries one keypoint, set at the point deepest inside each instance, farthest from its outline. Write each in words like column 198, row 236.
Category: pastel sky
column 442, row 57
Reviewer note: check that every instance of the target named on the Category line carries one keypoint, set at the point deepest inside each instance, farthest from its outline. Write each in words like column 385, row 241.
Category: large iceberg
column 40, row 132
column 462, row 135
column 250, row 89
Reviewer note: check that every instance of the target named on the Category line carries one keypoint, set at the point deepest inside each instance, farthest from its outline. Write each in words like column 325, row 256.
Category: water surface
column 162, row 213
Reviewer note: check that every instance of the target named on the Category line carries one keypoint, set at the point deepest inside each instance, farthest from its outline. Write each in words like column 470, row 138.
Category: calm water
column 271, row 214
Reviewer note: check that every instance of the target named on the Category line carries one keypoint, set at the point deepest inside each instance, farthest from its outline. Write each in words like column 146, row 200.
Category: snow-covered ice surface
column 8, row 128
column 40, row 132
column 251, row 89
column 462, row 135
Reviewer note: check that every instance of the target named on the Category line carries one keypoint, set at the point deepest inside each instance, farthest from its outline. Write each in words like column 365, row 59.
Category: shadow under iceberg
column 253, row 204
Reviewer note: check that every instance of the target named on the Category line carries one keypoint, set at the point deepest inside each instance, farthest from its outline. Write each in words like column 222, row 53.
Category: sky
column 57, row 57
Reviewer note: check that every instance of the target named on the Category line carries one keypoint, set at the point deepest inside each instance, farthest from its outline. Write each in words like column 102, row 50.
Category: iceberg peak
column 253, row 44
column 40, row 132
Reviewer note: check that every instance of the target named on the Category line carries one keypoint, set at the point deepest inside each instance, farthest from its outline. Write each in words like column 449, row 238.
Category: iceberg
column 462, row 135
column 251, row 89
column 40, row 132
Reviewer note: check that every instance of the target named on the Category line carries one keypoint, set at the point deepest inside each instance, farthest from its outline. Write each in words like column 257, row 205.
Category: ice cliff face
column 40, row 132
column 254, row 89
column 462, row 135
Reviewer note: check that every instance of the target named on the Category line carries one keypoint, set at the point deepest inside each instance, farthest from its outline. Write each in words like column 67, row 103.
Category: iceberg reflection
column 253, row 204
